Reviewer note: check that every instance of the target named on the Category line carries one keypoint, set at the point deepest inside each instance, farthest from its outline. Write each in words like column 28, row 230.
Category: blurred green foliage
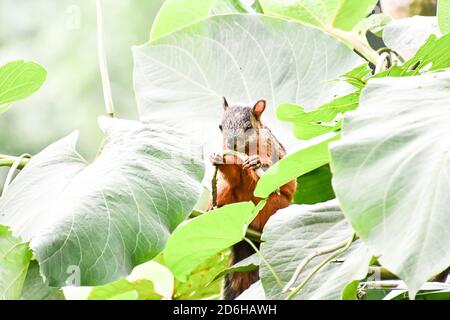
column 61, row 35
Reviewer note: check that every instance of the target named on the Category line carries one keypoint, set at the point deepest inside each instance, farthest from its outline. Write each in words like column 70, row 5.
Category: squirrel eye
column 248, row 126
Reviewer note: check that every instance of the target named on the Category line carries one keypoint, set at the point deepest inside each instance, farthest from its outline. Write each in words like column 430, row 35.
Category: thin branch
column 333, row 256
column 214, row 187
column 305, row 261
column 103, row 62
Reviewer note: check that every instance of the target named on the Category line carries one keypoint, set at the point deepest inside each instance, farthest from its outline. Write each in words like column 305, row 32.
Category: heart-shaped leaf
column 188, row 71
column 391, row 174
column 90, row 224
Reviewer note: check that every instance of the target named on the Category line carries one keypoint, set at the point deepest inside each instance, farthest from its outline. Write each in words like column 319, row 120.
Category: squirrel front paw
column 216, row 159
column 252, row 162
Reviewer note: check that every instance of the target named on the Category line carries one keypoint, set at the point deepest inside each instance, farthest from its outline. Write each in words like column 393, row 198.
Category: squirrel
column 243, row 131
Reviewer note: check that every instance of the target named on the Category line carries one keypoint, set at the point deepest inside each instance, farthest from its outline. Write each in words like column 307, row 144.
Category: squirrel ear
column 225, row 103
column 259, row 108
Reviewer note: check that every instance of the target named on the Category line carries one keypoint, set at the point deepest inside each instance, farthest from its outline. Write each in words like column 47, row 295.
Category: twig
column 305, row 261
column 333, row 256
column 214, row 187
column 103, row 62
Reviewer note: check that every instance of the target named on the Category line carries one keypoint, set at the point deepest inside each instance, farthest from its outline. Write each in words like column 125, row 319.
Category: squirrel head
column 241, row 126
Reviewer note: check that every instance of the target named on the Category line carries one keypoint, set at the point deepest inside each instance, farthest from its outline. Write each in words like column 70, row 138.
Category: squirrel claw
column 252, row 162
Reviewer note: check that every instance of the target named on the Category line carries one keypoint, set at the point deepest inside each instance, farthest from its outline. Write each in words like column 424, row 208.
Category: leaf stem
column 8, row 161
column 333, row 256
column 272, row 270
column 103, row 62
column 353, row 41
column 310, row 257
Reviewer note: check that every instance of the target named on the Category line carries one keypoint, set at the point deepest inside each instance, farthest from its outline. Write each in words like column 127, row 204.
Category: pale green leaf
column 176, row 14
column 342, row 14
column 391, row 174
column 19, row 80
column 444, row 16
column 188, row 71
column 307, row 125
column 141, row 289
column 90, row 224
column 14, row 260
column 374, row 23
column 200, row 238
column 296, row 232
column 407, row 35
column 434, row 55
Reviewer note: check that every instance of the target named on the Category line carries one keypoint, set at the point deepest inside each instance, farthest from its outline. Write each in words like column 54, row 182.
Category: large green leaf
column 175, row 14
column 311, row 156
column 295, row 233
column 188, row 71
column 444, row 16
column 14, row 260
column 92, row 223
column 342, row 14
column 391, row 174
column 19, row 80
column 197, row 240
